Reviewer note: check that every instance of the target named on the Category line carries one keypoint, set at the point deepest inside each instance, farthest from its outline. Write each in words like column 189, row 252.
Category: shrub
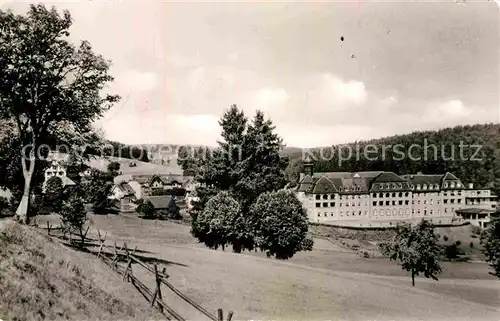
column 471, row 245
column 220, row 223
column 53, row 196
column 4, row 204
column 458, row 243
column 173, row 211
column 280, row 224
column 476, row 230
column 147, row 209
column 451, row 251
column 490, row 240
column 445, row 238
column 74, row 217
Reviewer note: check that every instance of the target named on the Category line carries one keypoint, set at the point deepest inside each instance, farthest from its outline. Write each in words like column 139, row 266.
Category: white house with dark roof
column 375, row 199
column 57, row 168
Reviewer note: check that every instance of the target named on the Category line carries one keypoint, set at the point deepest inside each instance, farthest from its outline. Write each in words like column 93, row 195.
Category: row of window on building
column 393, row 203
column 393, row 212
column 378, row 195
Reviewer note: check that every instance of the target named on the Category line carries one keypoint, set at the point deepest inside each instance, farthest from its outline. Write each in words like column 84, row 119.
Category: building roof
column 126, row 188
column 67, row 181
column 421, row 179
column 473, row 211
column 159, row 202
column 373, row 181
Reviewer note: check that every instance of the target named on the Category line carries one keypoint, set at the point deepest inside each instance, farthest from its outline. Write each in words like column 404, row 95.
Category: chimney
column 471, row 185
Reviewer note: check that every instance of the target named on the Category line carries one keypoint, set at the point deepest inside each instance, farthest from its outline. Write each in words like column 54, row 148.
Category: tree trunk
column 22, row 209
column 412, row 278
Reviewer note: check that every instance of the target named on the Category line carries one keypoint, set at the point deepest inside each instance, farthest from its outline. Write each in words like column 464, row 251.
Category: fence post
column 48, row 228
column 220, row 315
column 115, row 259
column 158, row 289
column 129, row 264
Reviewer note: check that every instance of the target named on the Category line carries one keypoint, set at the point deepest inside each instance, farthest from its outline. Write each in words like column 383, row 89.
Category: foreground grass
column 42, row 280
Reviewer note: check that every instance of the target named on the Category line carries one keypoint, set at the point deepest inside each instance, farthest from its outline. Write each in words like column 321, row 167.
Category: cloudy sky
column 324, row 72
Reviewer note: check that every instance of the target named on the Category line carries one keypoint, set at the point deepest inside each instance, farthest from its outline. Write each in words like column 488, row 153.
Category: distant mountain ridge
column 471, row 152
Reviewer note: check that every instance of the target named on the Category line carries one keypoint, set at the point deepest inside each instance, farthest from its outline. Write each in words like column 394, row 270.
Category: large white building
column 381, row 199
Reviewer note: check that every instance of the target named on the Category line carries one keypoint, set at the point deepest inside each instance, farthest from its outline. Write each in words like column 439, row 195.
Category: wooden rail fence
column 154, row 296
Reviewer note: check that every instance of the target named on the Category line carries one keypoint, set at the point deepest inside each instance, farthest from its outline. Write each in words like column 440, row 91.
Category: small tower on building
column 307, row 167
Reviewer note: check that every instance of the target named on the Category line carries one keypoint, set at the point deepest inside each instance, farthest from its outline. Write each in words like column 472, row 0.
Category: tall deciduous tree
column 416, row 249
column 45, row 80
column 490, row 239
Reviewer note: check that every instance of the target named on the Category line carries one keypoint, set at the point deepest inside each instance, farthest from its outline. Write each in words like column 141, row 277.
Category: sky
column 324, row 72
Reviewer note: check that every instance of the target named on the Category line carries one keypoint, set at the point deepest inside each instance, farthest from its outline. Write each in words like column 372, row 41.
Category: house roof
column 126, row 188
column 159, row 202
column 67, row 181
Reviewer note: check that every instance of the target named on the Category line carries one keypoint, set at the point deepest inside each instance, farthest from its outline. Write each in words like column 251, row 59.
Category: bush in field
column 4, row 203
column 74, row 216
column 173, row 211
column 113, row 168
column 490, row 240
column 416, row 249
column 476, row 230
column 147, row 209
column 220, row 222
column 53, row 196
column 451, row 251
column 279, row 223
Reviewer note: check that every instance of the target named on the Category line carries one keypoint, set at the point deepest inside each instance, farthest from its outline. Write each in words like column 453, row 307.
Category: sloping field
column 43, row 280
column 324, row 284
column 101, row 163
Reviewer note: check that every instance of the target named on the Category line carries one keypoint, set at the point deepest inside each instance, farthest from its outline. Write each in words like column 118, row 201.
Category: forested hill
column 471, row 152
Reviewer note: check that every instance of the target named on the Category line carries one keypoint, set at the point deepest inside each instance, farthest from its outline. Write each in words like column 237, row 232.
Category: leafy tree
column 74, row 216
column 490, row 240
column 220, row 222
column 97, row 191
column 147, row 209
column 174, row 212
column 114, row 168
column 451, row 251
column 4, row 204
column 46, row 80
column 54, row 192
column 280, row 224
column 416, row 249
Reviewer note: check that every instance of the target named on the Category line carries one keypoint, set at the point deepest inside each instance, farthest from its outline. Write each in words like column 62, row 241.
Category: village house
column 160, row 203
column 147, row 185
column 125, row 195
column 57, row 168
